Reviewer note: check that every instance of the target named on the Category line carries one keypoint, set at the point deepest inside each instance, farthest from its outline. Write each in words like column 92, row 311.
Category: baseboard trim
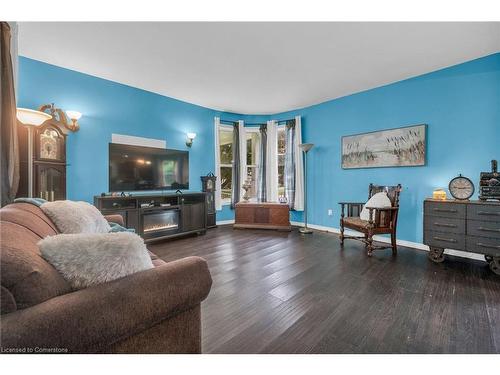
column 224, row 222
column 404, row 243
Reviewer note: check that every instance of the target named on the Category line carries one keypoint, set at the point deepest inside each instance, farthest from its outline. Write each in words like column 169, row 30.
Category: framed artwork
column 400, row 147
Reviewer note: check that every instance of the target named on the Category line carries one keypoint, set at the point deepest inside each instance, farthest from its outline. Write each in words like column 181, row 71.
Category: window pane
column 226, row 145
column 281, row 140
column 226, row 181
column 281, row 160
column 252, row 178
column 253, row 140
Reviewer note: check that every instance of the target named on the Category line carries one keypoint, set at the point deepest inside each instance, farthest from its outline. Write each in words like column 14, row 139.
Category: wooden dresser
column 472, row 226
column 262, row 216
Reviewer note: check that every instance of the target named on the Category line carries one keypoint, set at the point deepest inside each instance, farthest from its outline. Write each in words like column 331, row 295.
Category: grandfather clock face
column 51, row 145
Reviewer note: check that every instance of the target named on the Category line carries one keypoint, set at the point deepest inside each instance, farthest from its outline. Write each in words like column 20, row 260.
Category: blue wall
column 461, row 106
column 109, row 107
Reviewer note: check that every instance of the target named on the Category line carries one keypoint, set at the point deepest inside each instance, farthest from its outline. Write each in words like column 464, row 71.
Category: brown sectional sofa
column 154, row 311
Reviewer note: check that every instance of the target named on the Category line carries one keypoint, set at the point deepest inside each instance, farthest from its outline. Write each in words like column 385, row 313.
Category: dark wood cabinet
column 208, row 186
column 472, row 226
column 159, row 216
column 262, row 216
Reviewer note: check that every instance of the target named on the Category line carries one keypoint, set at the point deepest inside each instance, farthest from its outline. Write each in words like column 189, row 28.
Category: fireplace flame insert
column 158, row 222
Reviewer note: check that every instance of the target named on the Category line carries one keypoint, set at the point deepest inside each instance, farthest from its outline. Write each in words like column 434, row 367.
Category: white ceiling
column 256, row 68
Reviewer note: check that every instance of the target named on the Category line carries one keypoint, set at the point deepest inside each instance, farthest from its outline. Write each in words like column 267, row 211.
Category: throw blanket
column 35, row 201
column 75, row 217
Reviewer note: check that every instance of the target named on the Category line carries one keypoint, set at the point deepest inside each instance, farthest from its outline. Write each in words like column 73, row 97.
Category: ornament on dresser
column 246, row 186
column 461, row 188
column 489, row 183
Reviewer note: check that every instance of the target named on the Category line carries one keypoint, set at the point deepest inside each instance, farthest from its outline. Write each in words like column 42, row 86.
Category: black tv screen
column 133, row 168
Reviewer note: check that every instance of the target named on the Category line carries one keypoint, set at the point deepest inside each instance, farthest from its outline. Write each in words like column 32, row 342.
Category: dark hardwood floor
column 279, row 292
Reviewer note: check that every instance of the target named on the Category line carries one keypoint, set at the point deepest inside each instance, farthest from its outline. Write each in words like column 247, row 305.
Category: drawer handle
column 445, row 210
column 489, row 229
column 445, row 225
column 487, row 246
column 487, row 213
column 445, row 239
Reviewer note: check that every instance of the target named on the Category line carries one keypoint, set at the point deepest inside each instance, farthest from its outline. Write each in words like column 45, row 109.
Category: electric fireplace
column 157, row 222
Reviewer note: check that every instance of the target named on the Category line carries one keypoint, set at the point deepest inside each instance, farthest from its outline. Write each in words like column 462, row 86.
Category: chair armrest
column 118, row 219
column 89, row 320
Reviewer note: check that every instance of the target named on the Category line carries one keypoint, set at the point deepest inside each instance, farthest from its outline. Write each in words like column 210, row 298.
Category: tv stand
column 158, row 216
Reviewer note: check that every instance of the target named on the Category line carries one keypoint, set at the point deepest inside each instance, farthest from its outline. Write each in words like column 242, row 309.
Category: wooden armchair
column 382, row 220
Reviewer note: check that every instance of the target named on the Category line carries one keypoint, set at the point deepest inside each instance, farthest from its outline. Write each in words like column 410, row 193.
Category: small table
column 266, row 215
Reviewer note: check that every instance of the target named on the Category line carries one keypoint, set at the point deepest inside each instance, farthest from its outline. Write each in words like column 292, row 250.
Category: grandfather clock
column 48, row 165
column 208, row 186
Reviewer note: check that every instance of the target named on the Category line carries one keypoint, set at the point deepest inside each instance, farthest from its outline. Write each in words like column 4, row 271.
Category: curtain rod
column 227, row 122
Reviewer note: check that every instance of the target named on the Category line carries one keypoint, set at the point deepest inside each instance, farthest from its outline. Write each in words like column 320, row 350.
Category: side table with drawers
column 472, row 226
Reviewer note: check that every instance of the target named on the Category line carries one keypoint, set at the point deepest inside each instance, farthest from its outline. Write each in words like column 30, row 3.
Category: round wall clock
column 461, row 188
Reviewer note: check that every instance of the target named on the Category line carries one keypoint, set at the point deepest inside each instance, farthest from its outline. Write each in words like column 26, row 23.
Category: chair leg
column 370, row 244
column 393, row 243
column 366, row 239
column 341, row 233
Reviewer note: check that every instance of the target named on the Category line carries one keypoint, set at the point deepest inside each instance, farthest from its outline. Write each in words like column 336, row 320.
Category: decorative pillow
column 75, row 217
column 378, row 200
column 90, row 259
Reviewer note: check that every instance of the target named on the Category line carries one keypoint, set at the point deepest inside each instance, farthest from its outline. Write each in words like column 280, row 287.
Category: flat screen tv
column 135, row 168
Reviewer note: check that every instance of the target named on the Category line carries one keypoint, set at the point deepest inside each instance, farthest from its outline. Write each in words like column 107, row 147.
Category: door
column 50, row 181
column 193, row 217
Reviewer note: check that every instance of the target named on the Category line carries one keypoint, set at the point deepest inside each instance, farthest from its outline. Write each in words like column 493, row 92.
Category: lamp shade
column 191, row 135
column 31, row 117
column 74, row 115
column 306, row 146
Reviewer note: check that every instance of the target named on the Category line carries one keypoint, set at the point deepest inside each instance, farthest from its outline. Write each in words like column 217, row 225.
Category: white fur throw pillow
column 75, row 217
column 90, row 259
column 378, row 200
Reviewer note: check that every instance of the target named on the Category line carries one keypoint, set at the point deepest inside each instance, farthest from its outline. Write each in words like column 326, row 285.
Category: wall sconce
column 74, row 117
column 61, row 118
column 190, row 137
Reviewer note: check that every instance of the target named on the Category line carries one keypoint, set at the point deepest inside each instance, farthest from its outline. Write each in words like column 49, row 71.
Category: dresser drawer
column 444, row 224
column 486, row 212
column 443, row 209
column 483, row 228
column 444, row 240
column 482, row 245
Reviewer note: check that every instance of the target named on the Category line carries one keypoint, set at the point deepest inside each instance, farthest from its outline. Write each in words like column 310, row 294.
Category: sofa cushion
column 88, row 259
column 24, row 273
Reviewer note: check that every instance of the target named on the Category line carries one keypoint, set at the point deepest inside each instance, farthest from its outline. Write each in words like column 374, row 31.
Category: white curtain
column 243, row 156
column 272, row 162
column 218, row 193
column 299, row 167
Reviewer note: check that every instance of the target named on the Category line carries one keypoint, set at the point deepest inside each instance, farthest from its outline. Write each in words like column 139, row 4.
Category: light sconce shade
column 306, row 146
column 190, row 137
column 31, row 117
column 74, row 116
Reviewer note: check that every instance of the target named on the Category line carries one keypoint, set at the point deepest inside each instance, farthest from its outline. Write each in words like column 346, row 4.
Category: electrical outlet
column 330, row 212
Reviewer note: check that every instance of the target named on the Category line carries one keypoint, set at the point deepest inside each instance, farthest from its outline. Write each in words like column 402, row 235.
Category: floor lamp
column 305, row 147
column 30, row 119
